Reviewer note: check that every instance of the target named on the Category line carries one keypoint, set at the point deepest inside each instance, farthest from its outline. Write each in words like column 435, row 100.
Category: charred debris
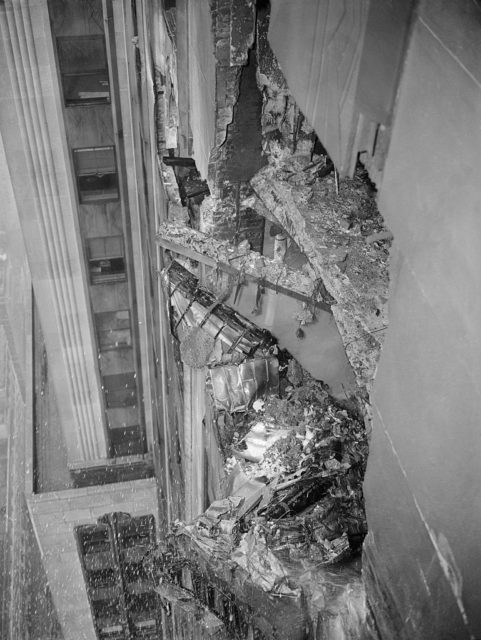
column 281, row 547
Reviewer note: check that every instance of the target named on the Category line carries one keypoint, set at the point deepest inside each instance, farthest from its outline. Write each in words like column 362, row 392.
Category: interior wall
column 422, row 486
column 202, row 90
column 319, row 46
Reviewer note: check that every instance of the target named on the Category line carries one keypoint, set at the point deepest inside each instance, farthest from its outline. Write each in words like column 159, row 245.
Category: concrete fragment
column 359, row 311
column 177, row 213
column 200, row 246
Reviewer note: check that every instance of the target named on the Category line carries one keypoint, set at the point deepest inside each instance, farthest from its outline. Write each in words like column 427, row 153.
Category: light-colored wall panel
column 31, row 125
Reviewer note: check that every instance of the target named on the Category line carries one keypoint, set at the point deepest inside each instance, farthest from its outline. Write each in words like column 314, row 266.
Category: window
column 122, row 596
column 96, row 173
column 113, row 329
column 127, row 441
column 83, row 66
column 120, row 390
column 106, row 259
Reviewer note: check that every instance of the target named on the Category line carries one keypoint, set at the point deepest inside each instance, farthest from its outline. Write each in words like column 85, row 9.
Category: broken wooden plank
column 196, row 245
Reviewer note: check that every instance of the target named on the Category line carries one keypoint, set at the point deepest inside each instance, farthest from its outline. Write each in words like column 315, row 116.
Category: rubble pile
column 291, row 522
column 232, row 259
column 295, row 456
column 277, row 423
column 284, row 539
column 311, row 453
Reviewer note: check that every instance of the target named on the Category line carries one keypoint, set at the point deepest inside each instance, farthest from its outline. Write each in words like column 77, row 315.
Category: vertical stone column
column 39, row 178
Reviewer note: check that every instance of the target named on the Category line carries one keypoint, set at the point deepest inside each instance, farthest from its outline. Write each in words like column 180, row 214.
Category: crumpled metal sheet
column 264, row 569
column 235, row 387
column 193, row 306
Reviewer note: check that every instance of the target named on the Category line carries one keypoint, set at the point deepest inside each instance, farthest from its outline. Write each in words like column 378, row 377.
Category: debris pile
column 245, row 591
column 295, row 456
column 232, row 259
column 277, row 423
column 286, row 535
column 311, row 453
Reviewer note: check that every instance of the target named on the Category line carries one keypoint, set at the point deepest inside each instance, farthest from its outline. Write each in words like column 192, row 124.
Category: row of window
column 85, row 81
column 122, row 597
column 84, row 71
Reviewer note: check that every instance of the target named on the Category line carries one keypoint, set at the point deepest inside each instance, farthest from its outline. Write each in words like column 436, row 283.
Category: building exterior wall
column 342, row 61
column 23, row 584
column 92, row 125
column 319, row 48
column 55, row 516
column 423, row 479
column 38, row 162
column 39, row 185
column 61, row 225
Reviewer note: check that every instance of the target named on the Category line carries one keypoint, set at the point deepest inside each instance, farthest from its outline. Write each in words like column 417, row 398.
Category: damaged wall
column 422, row 553
column 320, row 60
column 342, row 61
column 202, row 82
column 215, row 63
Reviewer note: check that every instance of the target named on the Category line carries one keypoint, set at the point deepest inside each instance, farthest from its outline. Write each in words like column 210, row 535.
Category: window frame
column 114, row 394
column 102, row 344
column 110, row 195
column 102, row 70
column 127, row 441
column 108, row 277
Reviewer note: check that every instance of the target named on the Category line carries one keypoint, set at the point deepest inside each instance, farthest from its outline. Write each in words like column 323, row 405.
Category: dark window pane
column 107, row 270
column 113, row 329
column 120, row 390
column 83, row 65
column 127, row 441
column 106, row 259
column 81, row 54
column 96, row 174
column 94, row 539
column 82, row 89
column 102, row 186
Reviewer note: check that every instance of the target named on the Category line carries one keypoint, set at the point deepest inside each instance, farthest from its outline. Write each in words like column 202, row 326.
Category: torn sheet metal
column 263, row 567
column 193, row 306
column 236, row 387
column 260, row 438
